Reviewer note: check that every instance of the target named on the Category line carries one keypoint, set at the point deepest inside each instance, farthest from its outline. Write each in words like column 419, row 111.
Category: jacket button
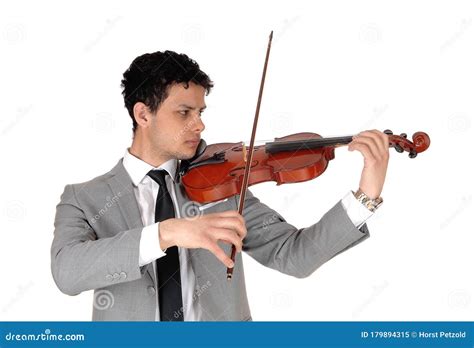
column 109, row 277
column 151, row 290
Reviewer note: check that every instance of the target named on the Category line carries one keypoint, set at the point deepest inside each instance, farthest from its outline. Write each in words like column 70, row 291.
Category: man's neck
column 146, row 154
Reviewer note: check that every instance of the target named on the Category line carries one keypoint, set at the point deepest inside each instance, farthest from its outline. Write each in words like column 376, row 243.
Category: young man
column 126, row 234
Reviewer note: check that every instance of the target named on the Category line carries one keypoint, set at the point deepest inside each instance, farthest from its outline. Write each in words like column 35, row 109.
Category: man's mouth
column 192, row 142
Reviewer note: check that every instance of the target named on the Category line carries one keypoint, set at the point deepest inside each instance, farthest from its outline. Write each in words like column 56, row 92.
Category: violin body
column 224, row 164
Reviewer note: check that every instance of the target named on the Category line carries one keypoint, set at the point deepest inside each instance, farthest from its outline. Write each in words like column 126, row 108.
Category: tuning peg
column 412, row 154
column 403, row 135
column 388, row 132
column 398, row 148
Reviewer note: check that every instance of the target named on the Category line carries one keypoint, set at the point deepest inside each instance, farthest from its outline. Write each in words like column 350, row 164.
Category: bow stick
column 248, row 158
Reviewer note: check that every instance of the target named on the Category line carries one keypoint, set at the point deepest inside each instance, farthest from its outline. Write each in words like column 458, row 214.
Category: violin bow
column 248, row 158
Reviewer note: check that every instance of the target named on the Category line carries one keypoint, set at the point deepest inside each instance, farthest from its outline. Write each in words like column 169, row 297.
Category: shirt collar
column 138, row 169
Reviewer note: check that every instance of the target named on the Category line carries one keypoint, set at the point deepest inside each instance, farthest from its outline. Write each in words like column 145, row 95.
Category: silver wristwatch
column 371, row 204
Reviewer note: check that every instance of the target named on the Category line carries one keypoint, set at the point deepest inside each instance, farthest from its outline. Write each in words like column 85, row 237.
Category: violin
column 218, row 171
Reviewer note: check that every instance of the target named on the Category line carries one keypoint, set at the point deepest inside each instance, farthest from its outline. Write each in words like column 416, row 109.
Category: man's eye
column 184, row 112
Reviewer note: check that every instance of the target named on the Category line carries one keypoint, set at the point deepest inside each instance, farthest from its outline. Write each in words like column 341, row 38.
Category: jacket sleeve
column 80, row 261
column 297, row 252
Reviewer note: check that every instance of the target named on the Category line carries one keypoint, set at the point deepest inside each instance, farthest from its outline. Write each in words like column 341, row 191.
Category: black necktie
column 167, row 267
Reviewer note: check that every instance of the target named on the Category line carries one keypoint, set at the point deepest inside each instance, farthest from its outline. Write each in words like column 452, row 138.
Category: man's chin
column 185, row 155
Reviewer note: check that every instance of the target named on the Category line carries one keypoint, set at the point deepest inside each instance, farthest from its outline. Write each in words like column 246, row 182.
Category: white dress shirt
column 146, row 191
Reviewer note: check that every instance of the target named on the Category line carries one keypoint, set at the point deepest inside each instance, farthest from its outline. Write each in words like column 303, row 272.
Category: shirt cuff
column 150, row 249
column 357, row 212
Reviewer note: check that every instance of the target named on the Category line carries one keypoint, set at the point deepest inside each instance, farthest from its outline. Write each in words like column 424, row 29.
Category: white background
column 336, row 68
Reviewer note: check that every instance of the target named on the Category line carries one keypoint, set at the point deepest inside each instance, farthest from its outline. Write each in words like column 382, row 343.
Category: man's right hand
column 204, row 232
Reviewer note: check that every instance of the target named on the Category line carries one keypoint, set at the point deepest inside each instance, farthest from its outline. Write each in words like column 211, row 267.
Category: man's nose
column 199, row 126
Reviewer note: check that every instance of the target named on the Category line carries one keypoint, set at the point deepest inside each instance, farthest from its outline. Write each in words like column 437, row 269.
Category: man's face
column 176, row 129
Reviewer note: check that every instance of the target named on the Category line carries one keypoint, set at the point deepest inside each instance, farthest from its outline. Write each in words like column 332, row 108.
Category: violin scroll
column 420, row 142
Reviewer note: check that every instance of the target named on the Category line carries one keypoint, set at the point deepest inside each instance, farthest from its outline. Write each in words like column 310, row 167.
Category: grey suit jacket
column 96, row 246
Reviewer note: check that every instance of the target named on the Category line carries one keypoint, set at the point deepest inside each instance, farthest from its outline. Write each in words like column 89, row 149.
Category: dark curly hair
column 150, row 75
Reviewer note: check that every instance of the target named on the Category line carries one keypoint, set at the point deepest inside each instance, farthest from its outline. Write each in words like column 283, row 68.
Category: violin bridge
column 244, row 152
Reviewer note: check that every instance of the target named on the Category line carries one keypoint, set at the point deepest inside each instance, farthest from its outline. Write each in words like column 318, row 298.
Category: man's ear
column 141, row 114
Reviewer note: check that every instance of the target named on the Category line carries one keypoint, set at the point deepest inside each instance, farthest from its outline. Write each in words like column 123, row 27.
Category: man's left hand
column 374, row 147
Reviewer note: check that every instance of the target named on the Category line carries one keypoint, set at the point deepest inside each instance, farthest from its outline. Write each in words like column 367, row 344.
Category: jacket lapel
column 121, row 185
